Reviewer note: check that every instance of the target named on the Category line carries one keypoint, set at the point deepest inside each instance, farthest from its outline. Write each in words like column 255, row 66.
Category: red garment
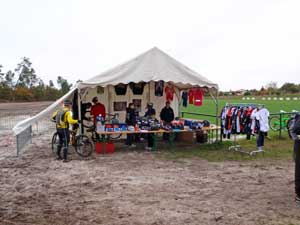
column 191, row 96
column 98, row 109
column 169, row 90
column 196, row 96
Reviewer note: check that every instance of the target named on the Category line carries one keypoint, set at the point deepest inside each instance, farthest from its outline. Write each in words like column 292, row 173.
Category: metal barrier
column 23, row 139
column 279, row 121
column 9, row 119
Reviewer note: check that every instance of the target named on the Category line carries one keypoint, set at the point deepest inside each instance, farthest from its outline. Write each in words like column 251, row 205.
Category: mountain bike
column 82, row 144
column 275, row 123
column 110, row 118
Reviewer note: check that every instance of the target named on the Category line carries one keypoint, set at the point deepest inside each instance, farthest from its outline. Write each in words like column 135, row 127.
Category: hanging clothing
column 169, row 90
column 159, row 88
column 191, row 96
column 184, row 97
column 263, row 117
column 196, row 96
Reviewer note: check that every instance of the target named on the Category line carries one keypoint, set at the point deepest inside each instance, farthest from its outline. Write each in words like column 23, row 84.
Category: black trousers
column 64, row 140
column 150, row 140
column 260, row 140
column 297, row 166
column 129, row 139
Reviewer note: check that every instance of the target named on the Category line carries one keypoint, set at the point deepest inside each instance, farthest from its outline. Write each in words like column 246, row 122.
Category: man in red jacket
column 97, row 109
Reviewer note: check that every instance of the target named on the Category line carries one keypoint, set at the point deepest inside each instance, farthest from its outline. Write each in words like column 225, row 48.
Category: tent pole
column 215, row 98
column 79, row 110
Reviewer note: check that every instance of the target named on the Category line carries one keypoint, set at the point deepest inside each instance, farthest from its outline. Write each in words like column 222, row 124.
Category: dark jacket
column 167, row 114
column 150, row 112
column 130, row 117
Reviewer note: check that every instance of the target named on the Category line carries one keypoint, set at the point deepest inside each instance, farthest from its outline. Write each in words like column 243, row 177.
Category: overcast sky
column 235, row 43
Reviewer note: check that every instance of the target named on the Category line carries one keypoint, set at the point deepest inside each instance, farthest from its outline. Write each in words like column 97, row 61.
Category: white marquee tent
column 153, row 65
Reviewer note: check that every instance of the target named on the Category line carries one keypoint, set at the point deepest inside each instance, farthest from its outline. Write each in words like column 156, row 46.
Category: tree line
column 23, row 84
column 268, row 90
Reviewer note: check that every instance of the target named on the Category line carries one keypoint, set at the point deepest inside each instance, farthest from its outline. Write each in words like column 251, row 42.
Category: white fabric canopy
column 153, row 65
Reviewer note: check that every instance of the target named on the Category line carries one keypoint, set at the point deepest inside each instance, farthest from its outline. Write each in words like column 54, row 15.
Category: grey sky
column 237, row 44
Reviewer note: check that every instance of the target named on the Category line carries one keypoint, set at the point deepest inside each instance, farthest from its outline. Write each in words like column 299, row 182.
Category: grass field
column 274, row 106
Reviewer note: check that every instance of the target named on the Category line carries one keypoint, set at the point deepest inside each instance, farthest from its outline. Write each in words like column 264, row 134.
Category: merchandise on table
column 196, row 125
column 146, row 123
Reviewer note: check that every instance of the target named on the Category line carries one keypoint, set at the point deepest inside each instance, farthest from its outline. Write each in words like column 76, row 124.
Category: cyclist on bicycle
column 63, row 119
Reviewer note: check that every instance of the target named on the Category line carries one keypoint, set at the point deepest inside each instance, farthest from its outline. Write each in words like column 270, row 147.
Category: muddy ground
column 136, row 187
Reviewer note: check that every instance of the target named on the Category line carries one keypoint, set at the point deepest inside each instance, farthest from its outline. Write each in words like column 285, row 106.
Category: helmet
column 67, row 102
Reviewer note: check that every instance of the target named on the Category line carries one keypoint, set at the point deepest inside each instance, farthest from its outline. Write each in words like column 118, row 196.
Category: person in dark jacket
column 130, row 121
column 295, row 136
column 150, row 113
column 166, row 116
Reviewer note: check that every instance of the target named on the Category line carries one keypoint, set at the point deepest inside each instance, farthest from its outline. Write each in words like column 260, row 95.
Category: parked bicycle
column 276, row 124
column 110, row 118
column 82, row 144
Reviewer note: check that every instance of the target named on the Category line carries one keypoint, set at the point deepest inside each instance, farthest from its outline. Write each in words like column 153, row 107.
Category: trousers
column 297, row 166
column 64, row 140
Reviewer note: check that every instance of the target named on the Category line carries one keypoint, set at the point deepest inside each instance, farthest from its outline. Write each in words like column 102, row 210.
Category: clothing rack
column 235, row 146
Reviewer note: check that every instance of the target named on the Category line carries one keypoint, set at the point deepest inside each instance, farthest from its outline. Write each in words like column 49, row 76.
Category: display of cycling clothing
column 169, row 90
column 159, row 88
column 184, row 97
column 247, row 120
column 196, row 96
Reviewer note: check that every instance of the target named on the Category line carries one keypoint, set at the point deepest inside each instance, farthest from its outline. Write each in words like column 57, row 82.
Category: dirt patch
column 134, row 187
column 24, row 106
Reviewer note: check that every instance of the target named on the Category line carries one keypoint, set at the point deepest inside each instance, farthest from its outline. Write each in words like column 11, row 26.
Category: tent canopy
column 153, row 65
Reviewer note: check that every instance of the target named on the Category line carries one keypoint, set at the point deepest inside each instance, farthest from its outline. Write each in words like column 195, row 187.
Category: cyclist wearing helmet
column 63, row 119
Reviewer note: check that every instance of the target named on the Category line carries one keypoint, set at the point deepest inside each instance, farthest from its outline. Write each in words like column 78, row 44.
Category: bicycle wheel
column 83, row 146
column 114, row 136
column 88, row 124
column 275, row 123
column 54, row 143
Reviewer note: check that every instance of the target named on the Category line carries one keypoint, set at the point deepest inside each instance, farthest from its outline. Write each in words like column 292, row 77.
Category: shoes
column 66, row 160
column 58, row 158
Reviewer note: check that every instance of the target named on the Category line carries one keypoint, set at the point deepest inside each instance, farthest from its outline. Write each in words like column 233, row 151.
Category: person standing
column 130, row 121
column 166, row 116
column 63, row 119
column 96, row 110
column 294, row 131
column 150, row 113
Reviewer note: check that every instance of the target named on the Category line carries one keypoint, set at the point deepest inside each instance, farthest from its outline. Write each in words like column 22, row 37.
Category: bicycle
column 275, row 123
column 82, row 144
column 112, row 119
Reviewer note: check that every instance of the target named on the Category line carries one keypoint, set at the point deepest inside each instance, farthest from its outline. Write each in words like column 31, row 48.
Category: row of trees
column 269, row 89
column 23, row 84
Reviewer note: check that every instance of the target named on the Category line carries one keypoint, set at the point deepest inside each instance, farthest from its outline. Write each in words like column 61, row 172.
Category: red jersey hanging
column 196, row 96
column 169, row 90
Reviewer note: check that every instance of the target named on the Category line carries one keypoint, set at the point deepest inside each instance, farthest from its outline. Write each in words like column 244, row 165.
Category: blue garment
column 184, row 98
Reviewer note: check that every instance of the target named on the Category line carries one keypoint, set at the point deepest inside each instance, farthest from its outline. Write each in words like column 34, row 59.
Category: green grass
column 276, row 149
column 272, row 105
